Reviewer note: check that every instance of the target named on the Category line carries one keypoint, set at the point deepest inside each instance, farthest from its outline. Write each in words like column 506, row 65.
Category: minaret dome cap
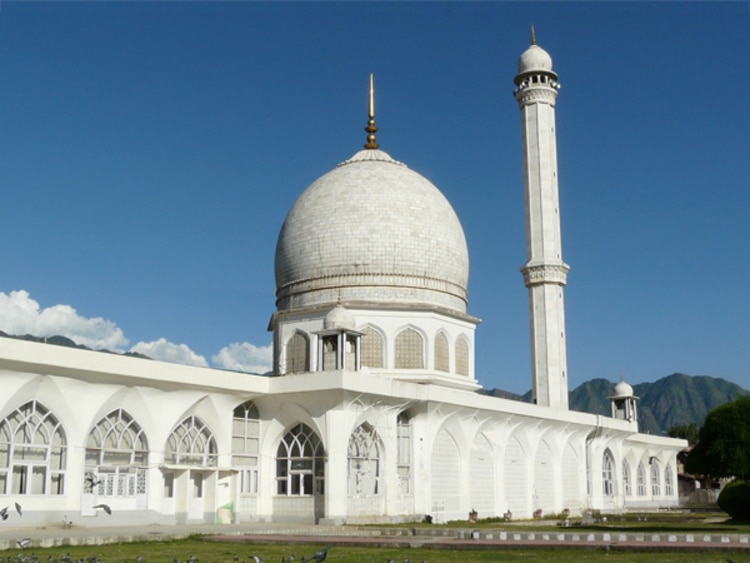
column 339, row 319
column 623, row 390
column 535, row 59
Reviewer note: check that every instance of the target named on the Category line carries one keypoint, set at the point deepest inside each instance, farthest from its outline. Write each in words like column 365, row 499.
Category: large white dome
column 372, row 231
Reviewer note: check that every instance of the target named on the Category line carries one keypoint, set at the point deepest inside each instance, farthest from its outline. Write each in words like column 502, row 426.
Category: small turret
column 339, row 343
column 623, row 402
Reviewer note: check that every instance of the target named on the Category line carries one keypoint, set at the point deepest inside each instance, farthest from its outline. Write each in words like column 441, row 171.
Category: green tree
column 723, row 448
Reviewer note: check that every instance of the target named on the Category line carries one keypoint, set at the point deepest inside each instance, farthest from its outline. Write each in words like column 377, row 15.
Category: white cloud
column 245, row 357
column 20, row 314
column 166, row 351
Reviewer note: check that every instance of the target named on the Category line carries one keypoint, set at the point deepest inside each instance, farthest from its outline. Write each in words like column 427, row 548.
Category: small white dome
column 372, row 230
column 535, row 59
column 623, row 390
column 339, row 319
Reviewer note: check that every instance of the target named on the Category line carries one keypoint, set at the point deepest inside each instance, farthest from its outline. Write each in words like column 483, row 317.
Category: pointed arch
column 403, row 452
column 409, row 348
column 116, row 457
column 641, row 480
column 298, row 353
column 191, row 443
column 441, row 356
column 544, row 478
column 246, row 445
column 627, row 478
column 363, row 456
column 516, row 479
column 372, row 348
column 608, row 473
column 668, row 481
column 482, row 477
column 571, row 476
column 446, row 474
column 300, row 463
column 655, row 477
column 462, row 355
column 33, row 452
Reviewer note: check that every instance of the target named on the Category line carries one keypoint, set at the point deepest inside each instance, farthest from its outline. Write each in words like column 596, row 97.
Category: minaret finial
column 371, row 129
column 533, row 35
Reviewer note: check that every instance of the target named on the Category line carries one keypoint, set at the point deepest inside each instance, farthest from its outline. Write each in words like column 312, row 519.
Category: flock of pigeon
column 318, row 557
column 4, row 511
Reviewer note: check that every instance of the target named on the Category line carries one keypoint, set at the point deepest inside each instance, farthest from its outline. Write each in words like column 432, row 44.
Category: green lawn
column 206, row 551
column 219, row 552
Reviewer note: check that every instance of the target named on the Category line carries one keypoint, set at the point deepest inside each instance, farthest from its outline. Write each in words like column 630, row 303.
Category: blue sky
column 149, row 152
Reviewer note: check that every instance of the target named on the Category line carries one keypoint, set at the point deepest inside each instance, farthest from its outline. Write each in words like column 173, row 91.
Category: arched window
column 668, row 482
column 403, row 455
column 441, row 352
column 462, row 356
column 32, row 452
column 364, row 462
column 626, row 478
column 191, row 443
column 641, row 480
column 246, row 445
column 608, row 474
column 655, row 478
column 300, row 469
column 297, row 354
column 372, row 348
column 409, row 350
column 116, row 457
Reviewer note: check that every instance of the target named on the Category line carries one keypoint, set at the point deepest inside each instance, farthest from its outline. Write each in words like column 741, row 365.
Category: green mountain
column 674, row 400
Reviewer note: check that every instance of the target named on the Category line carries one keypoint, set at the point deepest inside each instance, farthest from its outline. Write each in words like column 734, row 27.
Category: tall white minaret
column 545, row 272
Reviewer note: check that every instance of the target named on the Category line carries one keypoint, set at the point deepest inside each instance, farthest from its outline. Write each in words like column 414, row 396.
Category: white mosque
column 372, row 413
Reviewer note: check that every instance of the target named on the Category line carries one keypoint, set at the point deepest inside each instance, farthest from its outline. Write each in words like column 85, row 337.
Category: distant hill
column 58, row 340
column 673, row 400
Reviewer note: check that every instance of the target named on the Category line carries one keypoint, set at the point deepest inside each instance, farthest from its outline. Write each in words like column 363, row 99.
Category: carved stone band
column 545, row 273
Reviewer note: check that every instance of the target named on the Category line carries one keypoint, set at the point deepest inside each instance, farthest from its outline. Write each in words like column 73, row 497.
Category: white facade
column 372, row 415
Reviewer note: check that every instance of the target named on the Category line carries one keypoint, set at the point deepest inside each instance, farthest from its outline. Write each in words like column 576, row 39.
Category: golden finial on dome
column 371, row 129
column 533, row 35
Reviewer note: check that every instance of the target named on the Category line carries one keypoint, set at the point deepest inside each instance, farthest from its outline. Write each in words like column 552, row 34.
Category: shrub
column 734, row 499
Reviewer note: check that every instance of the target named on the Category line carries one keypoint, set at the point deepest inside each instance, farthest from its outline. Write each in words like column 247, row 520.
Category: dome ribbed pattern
column 374, row 231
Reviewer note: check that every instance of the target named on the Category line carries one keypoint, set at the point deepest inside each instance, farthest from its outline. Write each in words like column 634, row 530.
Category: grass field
column 204, row 551
column 201, row 549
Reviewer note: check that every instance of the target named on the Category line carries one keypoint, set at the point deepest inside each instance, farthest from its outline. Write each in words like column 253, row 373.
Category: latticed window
column 297, row 354
column 462, row 356
column 626, row 482
column 641, row 480
column 300, row 463
column 441, row 352
column 668, row 481
column 409, row 350
column 191, row 443
column 364, row 462
column 32, row 452
column 403, row 453
column 372, row 348
column 608, row 474
column 116, row 457
column 246, row 445
column 655, row 478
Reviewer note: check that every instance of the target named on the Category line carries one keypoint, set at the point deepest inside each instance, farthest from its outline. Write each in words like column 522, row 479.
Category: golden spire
column 371, row 129
column 533, row 35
